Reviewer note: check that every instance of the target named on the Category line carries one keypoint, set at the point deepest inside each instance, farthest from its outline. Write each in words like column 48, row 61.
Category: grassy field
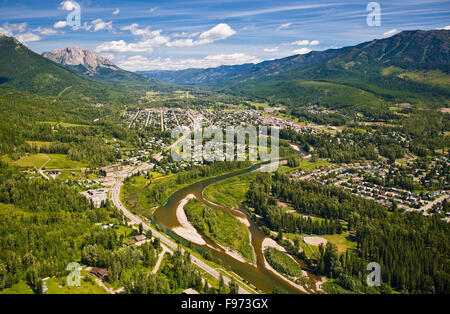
column 60, row 161
column 74, row 175
column 282, row 263
column 220, row 226
column 310, row 250
column 308, row 165
column 57, row 161
column 342, row 241
column 65, row 124
column 88, row 286
column 31, row 161
column 127, row 232
column 18, row 288
column 134, row 195
column 230, row 192
column 59, row 286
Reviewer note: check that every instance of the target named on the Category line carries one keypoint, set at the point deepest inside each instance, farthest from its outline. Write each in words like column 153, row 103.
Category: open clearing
column 88, row 286
column 230, row 192
column 60, row 161
column 31, row 161
column 343, row 241
column 18, row 288
column 36, row 161
column 136, row 192
column 315, row 240
column 65, row 124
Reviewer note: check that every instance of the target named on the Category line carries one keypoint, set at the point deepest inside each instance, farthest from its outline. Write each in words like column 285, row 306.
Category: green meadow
column 230, row 192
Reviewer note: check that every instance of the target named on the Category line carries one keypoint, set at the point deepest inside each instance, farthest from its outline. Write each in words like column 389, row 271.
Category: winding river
column 257, row 274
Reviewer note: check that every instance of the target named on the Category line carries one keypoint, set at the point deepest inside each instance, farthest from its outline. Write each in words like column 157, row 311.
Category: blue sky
column 178, row 34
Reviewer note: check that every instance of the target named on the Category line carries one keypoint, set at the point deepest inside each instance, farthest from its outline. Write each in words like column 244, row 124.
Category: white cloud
column 391, row 32
column 181, row 43
column 144, row 32
column 28, row 37
column 19, row 31
column 60, row 24
column 302, row 51
column 271, row 50
column 286, row 25
column 113, row 46
column 145, row 64
column 146, row 45
column 300, row 43
column 8, row 29
column 99, row 25
column 67, row 5
column 46, row 31
column 280, row 9
column 218, row 32
column 149, row 41
column 5, row 31
column 95, row 26
column 153, row 9
column 447, row 28
column 85, row 26
column 122, row 46
column 230, row 59
column 185, row 35
column 152, row 39
column 305, row 43
column 117, row 11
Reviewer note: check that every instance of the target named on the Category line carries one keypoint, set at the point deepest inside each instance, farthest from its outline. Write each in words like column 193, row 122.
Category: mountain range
column 81, row 60
column 89, row 64
column 24, row 70
column 412, row 66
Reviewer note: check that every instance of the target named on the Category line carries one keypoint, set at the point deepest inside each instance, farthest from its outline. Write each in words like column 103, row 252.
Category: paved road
column 134, row 118
column 115, row 196
column 431, row 204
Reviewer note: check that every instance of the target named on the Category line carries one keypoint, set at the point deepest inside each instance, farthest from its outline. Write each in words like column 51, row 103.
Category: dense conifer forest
column 412, row 250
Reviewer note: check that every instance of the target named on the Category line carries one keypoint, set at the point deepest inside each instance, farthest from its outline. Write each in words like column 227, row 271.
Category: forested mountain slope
column 23, row 70
column 412, row 66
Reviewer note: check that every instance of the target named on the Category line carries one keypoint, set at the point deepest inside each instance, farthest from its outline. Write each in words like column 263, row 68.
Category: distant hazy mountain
column 423, row 49
column 87, row 63
column 410, row 66
column 225, row 75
